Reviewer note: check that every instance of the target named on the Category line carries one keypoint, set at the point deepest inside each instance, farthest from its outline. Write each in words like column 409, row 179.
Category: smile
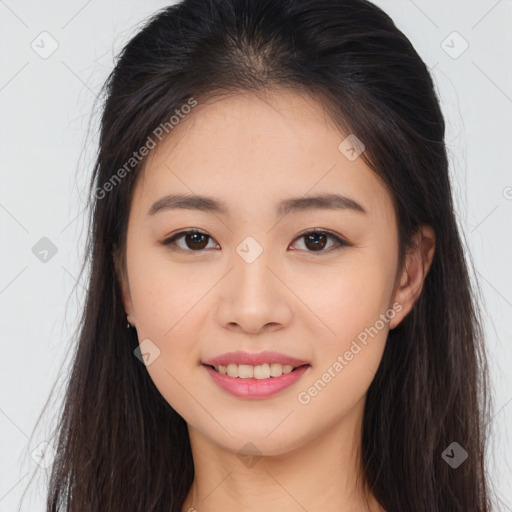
column 262, row 371
column 255, row 382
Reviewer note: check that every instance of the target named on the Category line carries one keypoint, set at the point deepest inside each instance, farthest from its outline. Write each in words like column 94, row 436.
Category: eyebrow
column 295, row 204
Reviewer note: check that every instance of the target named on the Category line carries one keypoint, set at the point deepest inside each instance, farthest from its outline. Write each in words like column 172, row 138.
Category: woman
column 279, row 314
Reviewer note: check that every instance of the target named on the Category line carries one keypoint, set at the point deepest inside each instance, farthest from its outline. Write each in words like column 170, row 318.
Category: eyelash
column 339, row 243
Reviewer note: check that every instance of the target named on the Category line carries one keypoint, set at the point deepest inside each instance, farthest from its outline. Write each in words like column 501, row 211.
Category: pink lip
column 253, row 359
column 255, row 388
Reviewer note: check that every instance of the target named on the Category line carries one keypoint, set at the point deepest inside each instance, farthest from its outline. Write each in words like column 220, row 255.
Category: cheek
column 163, row 294
column 346, row 361
column 351, row 303
column 353, row 298
column 166, row 303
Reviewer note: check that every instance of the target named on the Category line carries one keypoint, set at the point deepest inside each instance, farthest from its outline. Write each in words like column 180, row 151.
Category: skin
column 252, row 153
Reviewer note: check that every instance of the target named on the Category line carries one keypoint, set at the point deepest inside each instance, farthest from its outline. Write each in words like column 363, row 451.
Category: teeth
column 247, row 371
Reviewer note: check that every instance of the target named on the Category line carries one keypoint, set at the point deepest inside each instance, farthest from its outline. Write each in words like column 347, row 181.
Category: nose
column 254, row 296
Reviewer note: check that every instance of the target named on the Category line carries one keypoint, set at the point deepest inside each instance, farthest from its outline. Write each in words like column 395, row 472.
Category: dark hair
column 121, row 446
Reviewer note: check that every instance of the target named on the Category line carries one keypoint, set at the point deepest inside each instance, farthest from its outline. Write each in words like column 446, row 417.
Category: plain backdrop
column 54, row 58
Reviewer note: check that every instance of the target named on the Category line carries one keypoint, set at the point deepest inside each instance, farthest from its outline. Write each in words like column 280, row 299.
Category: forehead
column 248, row 150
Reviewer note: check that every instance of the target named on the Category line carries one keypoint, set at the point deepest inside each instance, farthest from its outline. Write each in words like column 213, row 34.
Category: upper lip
column 254, row 359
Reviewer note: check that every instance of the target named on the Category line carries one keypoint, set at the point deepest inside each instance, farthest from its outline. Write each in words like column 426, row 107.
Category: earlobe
column 417, row 264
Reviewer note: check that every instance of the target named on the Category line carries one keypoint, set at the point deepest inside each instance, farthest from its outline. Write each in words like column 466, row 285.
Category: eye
column 317, row 240
column 196, row 241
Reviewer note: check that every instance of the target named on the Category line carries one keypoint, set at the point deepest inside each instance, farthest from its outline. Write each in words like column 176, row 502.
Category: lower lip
column 256, row 388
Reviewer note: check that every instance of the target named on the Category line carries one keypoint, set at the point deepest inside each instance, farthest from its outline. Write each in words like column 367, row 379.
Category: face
column 254, row 278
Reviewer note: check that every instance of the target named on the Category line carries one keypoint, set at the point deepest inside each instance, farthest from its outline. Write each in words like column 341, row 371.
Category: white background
column 46, row 154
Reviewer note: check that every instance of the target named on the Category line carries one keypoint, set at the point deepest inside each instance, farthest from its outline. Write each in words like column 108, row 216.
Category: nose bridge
column 253, row 296
column 252, row 261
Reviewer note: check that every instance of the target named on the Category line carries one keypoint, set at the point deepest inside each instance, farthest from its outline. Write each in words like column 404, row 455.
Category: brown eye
column 194, row 241
column 316, row 241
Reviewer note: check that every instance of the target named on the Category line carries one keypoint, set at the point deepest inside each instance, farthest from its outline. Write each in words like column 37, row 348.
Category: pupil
column 196, row 240
column 314, row 237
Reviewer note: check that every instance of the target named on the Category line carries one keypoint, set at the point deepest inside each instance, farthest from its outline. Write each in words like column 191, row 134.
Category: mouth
column 263, row 371
column 253, row 382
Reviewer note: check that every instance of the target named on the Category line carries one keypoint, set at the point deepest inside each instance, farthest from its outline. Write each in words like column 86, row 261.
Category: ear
column 120, row 268
column 417, row 263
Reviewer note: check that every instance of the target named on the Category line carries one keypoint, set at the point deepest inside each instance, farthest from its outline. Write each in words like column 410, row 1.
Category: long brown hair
column 120, row 445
